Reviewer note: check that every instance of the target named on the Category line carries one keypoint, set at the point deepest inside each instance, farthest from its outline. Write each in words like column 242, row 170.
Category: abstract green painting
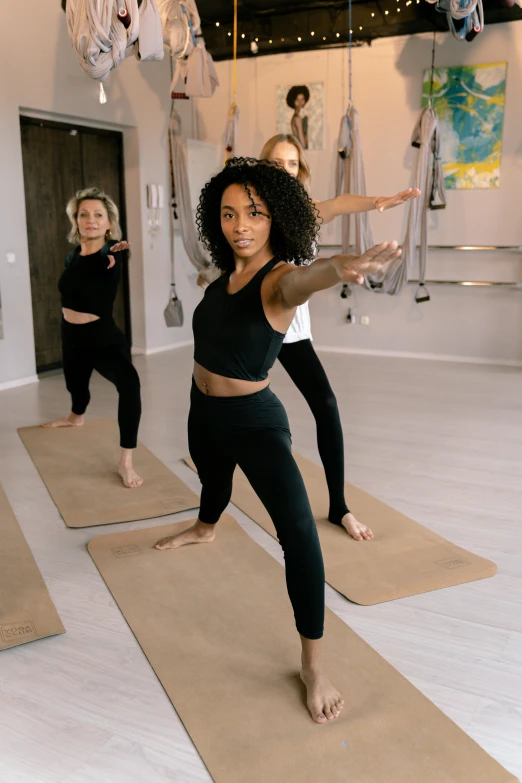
column 469, row 101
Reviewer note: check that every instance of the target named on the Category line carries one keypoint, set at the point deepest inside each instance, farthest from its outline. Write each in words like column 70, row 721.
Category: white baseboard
column 149, row 351
column 434, row 357
column 19, row 382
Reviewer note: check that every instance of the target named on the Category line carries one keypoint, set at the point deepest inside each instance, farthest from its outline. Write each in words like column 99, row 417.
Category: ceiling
column 279, row 24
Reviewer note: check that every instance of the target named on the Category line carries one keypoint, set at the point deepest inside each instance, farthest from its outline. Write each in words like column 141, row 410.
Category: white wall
column 481, row 324
column 40, row 74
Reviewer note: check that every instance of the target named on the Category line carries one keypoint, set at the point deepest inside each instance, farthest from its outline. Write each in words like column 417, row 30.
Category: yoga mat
column 403, row 559
column 216, row 625
column 78, row 465
column 26, row 609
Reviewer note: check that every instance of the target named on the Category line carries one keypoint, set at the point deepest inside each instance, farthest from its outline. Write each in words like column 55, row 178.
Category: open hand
column 117, row 248
column 388, row 202
column 352, row 268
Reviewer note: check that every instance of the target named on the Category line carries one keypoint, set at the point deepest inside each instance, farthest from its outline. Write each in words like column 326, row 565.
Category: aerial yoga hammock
column 181, row 193
column 182, row 34
column 468, row 12
column 103, row 38
column 428, row 178
column 350, row 168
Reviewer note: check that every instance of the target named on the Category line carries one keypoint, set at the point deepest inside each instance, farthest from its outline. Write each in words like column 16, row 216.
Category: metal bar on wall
column 491, row 248
column 470, row 283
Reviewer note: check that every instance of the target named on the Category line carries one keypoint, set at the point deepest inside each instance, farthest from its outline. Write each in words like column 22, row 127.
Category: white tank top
column 301, row 327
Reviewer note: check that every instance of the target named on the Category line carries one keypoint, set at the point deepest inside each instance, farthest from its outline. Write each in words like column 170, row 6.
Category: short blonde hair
column 303, row 175
column 92, row 194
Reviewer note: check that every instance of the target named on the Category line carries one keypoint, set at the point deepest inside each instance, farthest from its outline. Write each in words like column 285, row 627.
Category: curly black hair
column 293, row 92
column 294, row 229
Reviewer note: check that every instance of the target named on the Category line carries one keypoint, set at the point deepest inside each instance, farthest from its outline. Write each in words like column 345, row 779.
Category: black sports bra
column 232, row 335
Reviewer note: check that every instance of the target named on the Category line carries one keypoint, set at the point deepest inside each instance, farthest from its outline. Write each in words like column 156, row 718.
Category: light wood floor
column 441, row 442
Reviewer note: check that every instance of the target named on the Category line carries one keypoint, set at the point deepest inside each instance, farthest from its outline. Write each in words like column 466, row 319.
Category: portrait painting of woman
column 300, row 112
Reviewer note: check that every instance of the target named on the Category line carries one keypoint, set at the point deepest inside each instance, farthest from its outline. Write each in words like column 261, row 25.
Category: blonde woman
column 90, row 338
column 297, row 354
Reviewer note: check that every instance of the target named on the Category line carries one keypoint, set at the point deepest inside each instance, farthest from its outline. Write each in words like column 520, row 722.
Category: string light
column 386, row 12
column 337, row 35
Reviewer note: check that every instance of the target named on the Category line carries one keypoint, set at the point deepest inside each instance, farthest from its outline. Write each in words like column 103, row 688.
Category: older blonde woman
column 90, row 338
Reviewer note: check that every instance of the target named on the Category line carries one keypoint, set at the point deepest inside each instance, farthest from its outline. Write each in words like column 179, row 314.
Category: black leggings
column 305, row 369
column 101, row 346
column 252, row 432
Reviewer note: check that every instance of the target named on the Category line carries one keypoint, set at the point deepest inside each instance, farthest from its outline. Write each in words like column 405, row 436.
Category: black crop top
column 87, row 285
column 232, row 336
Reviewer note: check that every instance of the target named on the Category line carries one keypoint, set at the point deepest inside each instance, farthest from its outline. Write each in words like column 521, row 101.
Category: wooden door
column 58, row 160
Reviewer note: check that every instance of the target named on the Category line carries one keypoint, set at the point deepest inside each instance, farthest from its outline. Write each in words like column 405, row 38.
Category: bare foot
column 129, row 476
column 72, row 420
column 199, row 533
column 356, row 529
column 322, row 699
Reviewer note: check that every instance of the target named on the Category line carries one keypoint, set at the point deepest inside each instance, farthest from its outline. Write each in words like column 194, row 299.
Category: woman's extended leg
column 305, row 369
column 77, row 369
column 215, row 470
column 114, row 363
column 266, row 458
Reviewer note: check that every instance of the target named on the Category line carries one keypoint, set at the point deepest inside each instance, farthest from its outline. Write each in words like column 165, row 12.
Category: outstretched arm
column 117, row 248
column 348, row 203
column 298, row 284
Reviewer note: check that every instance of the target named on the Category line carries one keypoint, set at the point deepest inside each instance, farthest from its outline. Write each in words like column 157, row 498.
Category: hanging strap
column 422, row 294
column 234, row 64
column 233, row 108
column 172, row 214
column 350, row 41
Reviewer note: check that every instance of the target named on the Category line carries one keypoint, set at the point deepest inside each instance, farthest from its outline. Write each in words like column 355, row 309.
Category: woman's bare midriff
column 73, row 317
column 218, row 386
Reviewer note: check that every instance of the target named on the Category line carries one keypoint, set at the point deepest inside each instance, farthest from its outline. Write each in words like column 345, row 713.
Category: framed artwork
column 300, row 111
column 469, row 101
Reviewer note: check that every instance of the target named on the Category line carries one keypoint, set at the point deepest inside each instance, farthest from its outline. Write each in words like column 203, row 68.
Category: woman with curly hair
column 296, row 99
column 90, row 338
column 297, row 354
column 252, row 217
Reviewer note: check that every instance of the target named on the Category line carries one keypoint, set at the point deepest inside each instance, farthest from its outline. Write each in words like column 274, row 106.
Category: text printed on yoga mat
column 173, row 504
column 453, row 562
column 13, row 632
column 126, row 551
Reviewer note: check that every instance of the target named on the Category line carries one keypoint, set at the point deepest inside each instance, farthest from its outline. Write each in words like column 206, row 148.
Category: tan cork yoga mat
column 215, row 623
column 403, row 559
column 26, row 609
column 78, row 465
